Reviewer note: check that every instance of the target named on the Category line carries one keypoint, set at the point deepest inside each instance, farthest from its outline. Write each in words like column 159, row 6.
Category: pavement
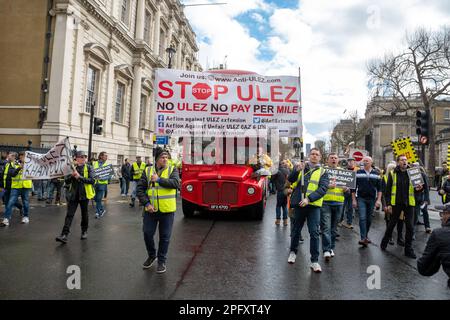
column 210, row 257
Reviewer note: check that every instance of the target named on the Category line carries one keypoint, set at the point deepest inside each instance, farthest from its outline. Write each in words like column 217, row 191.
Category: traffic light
column 98, row 126
column 423, row 126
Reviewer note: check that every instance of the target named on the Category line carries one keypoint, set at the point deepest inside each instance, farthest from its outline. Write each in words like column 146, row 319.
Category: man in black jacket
column 156, row 191
column 400, row 198
column 307, row 197
column 125, row 170
column 80, row 191
column 437, row 250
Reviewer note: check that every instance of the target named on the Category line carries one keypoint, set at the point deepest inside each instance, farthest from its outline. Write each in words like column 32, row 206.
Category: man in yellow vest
column 19, row 187
column 157, row 191
column 137, row 169
column 101, row 186
column 80, row 190
column 333, row 204
column 306, row 199
column 400, row 197
column 8, row 170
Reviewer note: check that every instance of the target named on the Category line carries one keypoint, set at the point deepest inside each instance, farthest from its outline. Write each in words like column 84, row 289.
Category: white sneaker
column 316, row 267
column 25, row 220
column 332, row 253
column 292, row 257
column 327, row 255
column 5, row 222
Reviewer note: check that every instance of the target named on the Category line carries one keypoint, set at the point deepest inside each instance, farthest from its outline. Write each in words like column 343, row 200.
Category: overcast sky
column 331, row 41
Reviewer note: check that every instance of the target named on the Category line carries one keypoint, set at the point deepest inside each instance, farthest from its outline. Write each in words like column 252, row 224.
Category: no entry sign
column 357, row 154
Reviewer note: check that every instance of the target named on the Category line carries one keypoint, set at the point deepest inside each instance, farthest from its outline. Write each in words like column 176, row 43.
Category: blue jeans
column 134, row 189
column 329, row 217
column 100, row 190
column 281, row 203
column 41, row 188
column 151, row 221
column 426, row 216
column 6, row 196
column 312, row 215
column 15, row 193
column 365, row 209
column 348, row 208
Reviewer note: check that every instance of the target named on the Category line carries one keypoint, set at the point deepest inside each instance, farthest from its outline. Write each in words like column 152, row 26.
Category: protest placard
column 344, row 178
column 104, row 173
column 55, row 163
column 215, row 104
column 405, row 147
column 415, row 176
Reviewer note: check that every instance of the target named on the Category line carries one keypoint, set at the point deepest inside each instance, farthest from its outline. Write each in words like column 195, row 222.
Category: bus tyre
column 258, row 210
column 188, row 208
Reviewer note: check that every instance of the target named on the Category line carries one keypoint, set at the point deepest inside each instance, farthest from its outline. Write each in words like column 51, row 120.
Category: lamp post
column 171, row 51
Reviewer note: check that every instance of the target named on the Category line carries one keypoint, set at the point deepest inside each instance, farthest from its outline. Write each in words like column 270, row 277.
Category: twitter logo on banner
column 256, row 120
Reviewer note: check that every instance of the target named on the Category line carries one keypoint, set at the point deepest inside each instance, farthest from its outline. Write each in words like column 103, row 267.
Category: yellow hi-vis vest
column 313, row 185
column 162, row 199
column 96, row 166
column 411, row 199
column 444, row 197
column 5, row 174
column 138, row 170
column 334, row 195
column 89, row 188
column 17, row 182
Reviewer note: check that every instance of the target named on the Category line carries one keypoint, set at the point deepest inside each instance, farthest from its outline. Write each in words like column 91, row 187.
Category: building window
column 91, row 87
column 447, row 114
column 162, row 45
column 124, row 11
column 120, row 159
column 147, row 27
column 143, row 111
column 118, row 111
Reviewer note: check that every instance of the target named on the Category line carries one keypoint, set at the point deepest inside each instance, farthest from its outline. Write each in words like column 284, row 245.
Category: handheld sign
column 104, row 173
column 415, row 176
column 344, row 178
column 405, row 147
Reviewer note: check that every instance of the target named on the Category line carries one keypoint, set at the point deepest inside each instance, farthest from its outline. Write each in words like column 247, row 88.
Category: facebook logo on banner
column 256, row 120
column 161, row 124
column 161, row 117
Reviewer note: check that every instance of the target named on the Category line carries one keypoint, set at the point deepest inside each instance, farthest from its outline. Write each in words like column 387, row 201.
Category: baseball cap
column 351, row 159
column 80, row 154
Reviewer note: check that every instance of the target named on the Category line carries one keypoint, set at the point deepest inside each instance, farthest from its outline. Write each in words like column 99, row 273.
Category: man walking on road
column 157, row 190
column 10, row 170
column 137, row 169
column 80, row 191
column 307, row 200
column 365, row 197
column 126, row 177
column 400, row 197
column 101, row 186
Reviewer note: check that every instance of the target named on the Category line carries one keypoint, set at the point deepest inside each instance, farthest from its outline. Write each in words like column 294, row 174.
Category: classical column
column 61, row 71
column 180, row 53
column 157, row 31
column 140, row 20
column 136, row 101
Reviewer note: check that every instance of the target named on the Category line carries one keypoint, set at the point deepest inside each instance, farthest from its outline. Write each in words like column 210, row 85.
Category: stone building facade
column 61, row 56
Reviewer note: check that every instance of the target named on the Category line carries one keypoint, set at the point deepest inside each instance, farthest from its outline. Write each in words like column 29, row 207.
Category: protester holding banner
column 387, row 215
column 19, row 187
column 80, row 191
column 330, row 212
column 366, row 197
column 10, row 170
column 101, row 186
column 348, row 210
column 400, row 198
column 307, row 198
column 137, row 169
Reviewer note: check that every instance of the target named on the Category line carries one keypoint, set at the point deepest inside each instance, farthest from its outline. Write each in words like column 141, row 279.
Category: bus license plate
column 219, row 207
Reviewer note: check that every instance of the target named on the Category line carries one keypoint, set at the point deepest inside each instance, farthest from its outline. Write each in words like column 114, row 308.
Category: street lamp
column 171, row 51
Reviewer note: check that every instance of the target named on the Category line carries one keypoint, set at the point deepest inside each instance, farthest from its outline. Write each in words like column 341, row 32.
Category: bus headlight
column 190, row 187
column 251, row 190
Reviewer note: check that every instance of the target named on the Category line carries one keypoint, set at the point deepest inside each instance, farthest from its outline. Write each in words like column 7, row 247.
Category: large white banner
column 55, row 163
column 215, row 104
